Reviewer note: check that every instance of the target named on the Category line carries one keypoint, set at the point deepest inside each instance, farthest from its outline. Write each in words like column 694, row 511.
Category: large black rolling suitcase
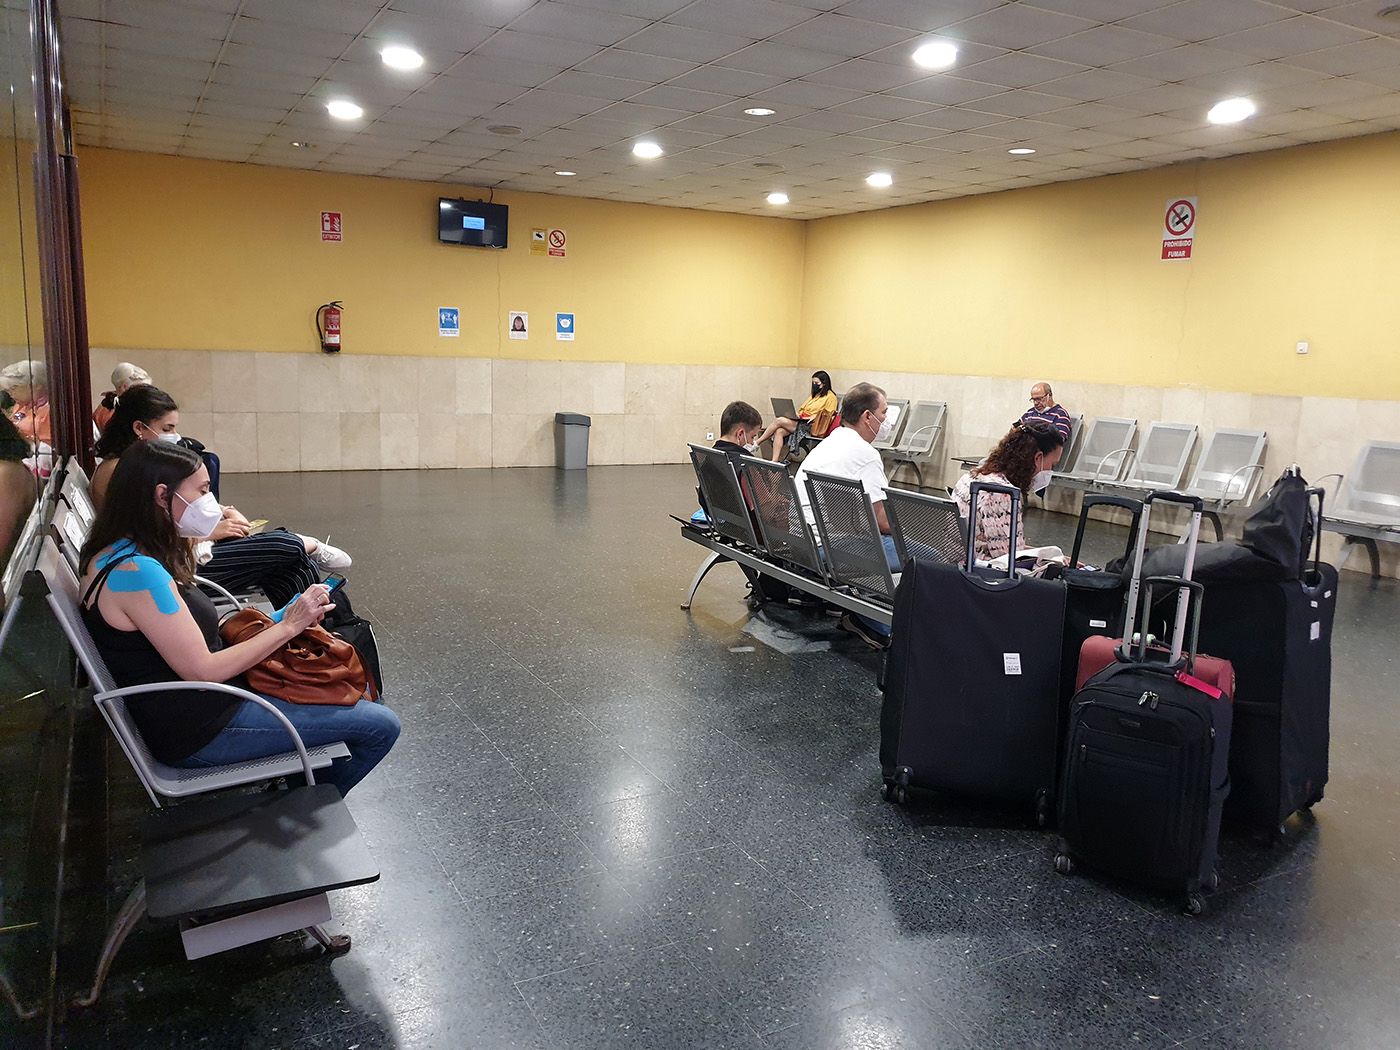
column 1147, row 764
column 1278, row 635
column 971, row 684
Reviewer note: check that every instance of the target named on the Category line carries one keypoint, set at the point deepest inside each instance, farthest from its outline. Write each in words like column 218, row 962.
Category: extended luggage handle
column 1197, row 506
column 1320, row 494
column 1132, row 506
column 1190, row 596
column 976, row 489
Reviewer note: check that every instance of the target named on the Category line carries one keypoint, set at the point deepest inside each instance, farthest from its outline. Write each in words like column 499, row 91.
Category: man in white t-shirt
column 848, row 452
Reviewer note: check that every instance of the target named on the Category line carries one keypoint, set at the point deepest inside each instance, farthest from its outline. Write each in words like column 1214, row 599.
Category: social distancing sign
column 1179, row 228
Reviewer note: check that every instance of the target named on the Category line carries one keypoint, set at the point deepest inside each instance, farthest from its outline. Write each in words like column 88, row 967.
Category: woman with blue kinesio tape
column 152, row 625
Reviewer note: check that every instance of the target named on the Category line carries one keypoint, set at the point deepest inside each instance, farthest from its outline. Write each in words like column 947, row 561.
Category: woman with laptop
column 817, row 414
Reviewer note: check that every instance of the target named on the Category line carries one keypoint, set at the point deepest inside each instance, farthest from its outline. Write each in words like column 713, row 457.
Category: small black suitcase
column 971, row 684
column 1147, row 767
column 1278, row 635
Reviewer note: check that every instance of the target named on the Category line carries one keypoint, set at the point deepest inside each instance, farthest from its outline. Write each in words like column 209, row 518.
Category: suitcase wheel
column 1195, row 903
column 1064, row 864
column 892, row 792
column 1042, row 808
column 1213, row 883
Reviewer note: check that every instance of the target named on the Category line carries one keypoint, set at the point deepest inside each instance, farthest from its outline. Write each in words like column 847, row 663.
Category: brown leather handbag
column 315, row 667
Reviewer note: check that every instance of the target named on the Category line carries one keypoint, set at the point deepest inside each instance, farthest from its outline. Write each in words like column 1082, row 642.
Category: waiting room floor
column 611, row 823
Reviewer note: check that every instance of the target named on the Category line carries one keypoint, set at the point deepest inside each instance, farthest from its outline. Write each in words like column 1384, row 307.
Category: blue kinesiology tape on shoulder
column 145, row 574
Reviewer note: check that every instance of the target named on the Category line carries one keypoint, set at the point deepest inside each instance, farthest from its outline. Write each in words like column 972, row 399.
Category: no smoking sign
column 1179, row 228
column 558, row 244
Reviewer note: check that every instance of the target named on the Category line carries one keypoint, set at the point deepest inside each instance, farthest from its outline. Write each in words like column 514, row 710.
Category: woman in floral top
column 1023, row 459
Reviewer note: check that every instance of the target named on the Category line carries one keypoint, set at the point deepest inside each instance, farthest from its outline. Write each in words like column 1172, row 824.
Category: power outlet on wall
column 1302, row 347
column 709, row 436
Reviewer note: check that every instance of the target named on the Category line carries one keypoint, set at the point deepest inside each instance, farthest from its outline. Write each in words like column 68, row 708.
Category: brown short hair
column 739, row 414
column 860, row 399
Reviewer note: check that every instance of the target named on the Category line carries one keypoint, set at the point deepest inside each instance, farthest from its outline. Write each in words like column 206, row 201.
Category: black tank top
column 174, row 725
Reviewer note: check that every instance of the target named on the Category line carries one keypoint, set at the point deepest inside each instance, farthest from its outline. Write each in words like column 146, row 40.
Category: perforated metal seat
column 722, row 495
column 778, row 509
column 925, row 527
column 923, row 430
column 1101, row 456
column 896, row 413
column 850, row 537
column 1160, row 461
column 1367, row 507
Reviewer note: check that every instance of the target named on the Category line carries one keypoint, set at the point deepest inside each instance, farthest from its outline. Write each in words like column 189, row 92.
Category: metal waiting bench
column 782, row 546
column 926, row 527
column 923, row 428
column 1228, row 472
column 1105, row 438
column 1159, row 462
column 1367, row 506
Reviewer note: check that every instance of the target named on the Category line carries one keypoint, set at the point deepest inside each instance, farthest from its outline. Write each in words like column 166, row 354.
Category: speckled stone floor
column 611, row 823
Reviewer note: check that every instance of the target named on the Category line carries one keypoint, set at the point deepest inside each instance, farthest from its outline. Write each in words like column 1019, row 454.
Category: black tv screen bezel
column 489, row 212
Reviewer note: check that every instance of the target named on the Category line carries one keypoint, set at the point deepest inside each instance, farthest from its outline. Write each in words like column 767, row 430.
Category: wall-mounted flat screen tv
column 473, row 223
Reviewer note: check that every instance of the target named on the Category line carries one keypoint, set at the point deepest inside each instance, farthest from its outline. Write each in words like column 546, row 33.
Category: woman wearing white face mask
column 282, row 563
column 1024, row 459
column 152, row 625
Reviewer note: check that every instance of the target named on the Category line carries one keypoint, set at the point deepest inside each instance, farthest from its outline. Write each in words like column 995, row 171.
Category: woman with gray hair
column 27, row 383
column 124, row 376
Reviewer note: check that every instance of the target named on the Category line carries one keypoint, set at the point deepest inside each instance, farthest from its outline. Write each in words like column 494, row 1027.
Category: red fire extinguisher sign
column 330, row 226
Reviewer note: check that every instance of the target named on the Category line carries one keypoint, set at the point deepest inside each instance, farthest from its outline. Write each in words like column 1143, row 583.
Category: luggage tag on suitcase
column 1191, row 681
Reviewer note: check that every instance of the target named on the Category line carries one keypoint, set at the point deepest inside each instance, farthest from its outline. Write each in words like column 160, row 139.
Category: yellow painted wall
column 1066, row 280
column 193, row 254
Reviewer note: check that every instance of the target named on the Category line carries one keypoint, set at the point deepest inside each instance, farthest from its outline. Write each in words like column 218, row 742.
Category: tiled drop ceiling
column 1094, row 86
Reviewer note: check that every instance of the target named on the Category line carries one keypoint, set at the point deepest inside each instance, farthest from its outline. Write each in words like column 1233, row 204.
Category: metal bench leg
column 1214, row 518
column 131, row 913
column 918, row 474
column 706, row 566
column 1371, row 549
column 334, row 943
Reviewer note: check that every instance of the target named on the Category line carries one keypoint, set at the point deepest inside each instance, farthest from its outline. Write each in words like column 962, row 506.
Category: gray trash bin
column 571, row 440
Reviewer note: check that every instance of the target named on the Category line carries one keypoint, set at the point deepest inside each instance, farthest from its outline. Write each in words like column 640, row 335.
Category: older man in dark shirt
column 1044, row 410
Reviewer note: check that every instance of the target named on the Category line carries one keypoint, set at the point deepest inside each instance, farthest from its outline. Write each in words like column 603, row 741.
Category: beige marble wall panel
column 654, row 388
column 359, row 441
column 473, row 440
column 319, row 386
column 236, row 440
column 510, row 387
column 542, row 388
column 398, row 383
column 398, row 440
column 472, row 385
column 700, row 395
column 437, row 388
column 670, row 434
column 437, row 439
column 275, row 382
column 235, row 381
column 639, row 438
column 359, row 384
column 279, row 441
column 189, row 378
column 199, row 425
column 320, row 440
column 609, row 381
column 522, row 440
column 607, row 438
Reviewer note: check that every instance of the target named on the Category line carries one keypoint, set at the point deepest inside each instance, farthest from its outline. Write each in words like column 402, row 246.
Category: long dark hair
column 1014, row 456
column 825, row 380
column 130, row 511
column 140, row 404
column 13, row 447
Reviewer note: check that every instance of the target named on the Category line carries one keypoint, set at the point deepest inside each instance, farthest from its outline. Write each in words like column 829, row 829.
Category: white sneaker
column 328, row 557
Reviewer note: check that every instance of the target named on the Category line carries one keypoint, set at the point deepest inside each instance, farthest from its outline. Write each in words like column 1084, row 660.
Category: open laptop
column 784, row 406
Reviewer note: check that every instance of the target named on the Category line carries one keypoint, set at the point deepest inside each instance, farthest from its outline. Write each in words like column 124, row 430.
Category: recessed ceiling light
column 503, row 129
column 1021, row 151
column 566, row 172
column 760, row 111
column 936, row 54
column 344, row 109
column 647, row 150
column 397, row 57
column 297, row 144
column 879, row 179
column 777, row 197
column 1231, row 111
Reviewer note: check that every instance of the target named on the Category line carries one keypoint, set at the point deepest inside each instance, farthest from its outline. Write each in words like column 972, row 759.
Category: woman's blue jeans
column 368, row 729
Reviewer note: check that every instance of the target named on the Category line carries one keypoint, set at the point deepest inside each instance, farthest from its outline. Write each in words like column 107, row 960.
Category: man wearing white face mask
column 1023, row 459
column 739, row 426
column 848, row 452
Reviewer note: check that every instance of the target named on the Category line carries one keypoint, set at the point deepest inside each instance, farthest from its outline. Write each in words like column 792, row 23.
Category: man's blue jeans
column 368, row 730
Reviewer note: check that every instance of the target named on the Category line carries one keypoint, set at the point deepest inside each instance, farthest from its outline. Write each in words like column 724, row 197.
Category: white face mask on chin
column 200, row 517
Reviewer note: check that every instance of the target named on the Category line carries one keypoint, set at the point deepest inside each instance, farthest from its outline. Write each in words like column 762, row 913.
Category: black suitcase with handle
column 972, row 681
column 1146, row 770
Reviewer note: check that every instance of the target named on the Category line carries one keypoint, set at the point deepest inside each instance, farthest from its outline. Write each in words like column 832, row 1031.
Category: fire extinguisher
column 328, row 325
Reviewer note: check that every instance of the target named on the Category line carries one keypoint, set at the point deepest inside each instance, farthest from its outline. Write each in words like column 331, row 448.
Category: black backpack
column 359, row 632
